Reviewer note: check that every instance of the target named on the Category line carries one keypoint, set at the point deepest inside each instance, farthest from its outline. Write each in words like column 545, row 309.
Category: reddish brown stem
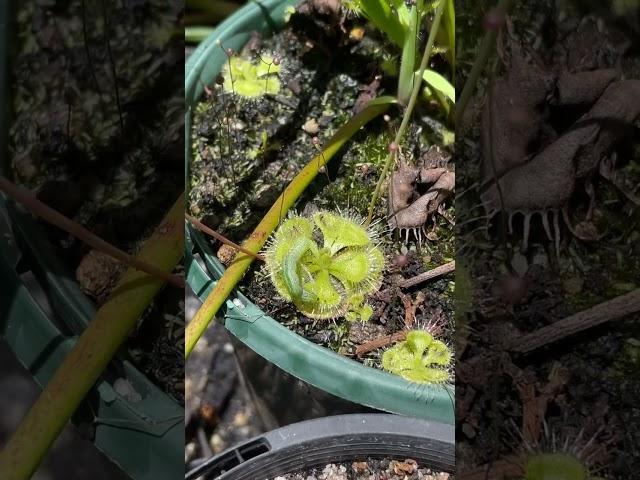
column 221, row 238
column 48, row 214
column 614, row 309
column 380, row 343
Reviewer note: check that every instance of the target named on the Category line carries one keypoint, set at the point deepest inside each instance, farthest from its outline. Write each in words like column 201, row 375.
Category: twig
column 380, row 343
column 423, row 277
column 203, row 228
column 615, row 309
column 35, row 206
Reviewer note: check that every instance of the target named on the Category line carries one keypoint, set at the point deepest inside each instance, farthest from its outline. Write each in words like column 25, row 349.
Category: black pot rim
column 333, row 439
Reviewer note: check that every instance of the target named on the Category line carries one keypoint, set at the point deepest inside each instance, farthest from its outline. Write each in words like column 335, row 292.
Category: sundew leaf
column 422, row 374
column 340, row 232
column 555, row 465
column 350, row 267
column 409, row 360
column 250, row 80
column 418, row 341
column 266, row 66
column 322, row 298
column 438, row 354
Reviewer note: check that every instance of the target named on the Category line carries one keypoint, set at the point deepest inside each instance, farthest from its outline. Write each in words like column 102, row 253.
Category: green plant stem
column 486, row 48
column 267, row 225
column 93, row 351
column 197, row 34
column 410, row 106
column 48, row 214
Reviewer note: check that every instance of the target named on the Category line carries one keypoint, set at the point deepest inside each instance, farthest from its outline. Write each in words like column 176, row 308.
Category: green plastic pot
column 314, row 366
column 42, row 310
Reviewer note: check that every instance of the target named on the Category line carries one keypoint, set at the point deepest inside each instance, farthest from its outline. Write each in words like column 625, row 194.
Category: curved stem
column 48, row 214
column 410, row 106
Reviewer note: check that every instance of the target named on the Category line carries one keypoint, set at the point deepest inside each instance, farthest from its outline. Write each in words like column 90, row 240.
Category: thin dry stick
column 431, row 274
column 35, row 206
column 380, row 343
column 203, row 228
column 615, row 309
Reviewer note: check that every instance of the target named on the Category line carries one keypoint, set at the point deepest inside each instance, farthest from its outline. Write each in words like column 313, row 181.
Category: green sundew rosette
column 251, row 80
column 556, row 466
column 420, row 359
column 325, row 281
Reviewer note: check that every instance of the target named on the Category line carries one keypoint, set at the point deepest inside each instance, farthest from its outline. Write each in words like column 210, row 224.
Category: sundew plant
column 325, row 265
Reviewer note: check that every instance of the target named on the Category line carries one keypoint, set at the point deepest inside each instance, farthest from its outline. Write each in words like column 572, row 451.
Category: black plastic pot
column 343, row 438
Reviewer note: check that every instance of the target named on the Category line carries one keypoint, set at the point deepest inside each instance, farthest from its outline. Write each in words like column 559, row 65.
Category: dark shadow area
column 547, row 264
column 91, row 124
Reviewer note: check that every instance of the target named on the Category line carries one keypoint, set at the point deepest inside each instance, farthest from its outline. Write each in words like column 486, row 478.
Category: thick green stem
column 410, row 106
column 93, row 351
column 197, row 34
column 486, row 48
column 285, row 201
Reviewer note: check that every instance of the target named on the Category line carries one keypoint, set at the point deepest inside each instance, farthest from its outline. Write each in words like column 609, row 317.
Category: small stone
column 311, row 126
column 241, row 419
column 360, row 467
column 125, row 389
column 356, row 33
column 217, row 443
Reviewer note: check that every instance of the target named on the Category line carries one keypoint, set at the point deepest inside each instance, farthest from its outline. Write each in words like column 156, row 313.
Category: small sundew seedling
column 420, row 359
column 251, row 79
column 555, row 458
column 325, row 265
column 555, row 466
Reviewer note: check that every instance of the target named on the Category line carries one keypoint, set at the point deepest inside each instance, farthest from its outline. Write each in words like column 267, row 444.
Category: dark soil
column 370, row 469
column 237, row 175
column 587, row 383
column 97, row 132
